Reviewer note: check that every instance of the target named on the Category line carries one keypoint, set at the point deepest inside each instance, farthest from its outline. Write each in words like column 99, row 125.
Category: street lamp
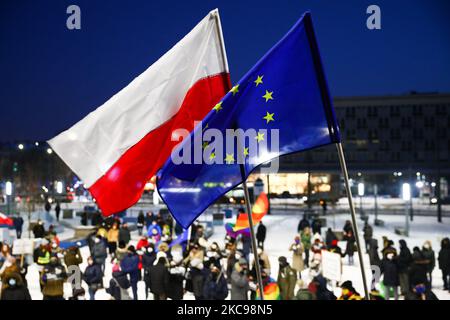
column 49, row 150
column 406, row 194
column 59, row 187
column 8, row 191
column 361, row 194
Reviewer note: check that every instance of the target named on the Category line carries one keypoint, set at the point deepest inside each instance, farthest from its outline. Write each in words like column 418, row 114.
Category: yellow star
column 258, row 81
column 245, row 152
column 205, row 145
column 260, row 137
column 218, row 106
column 229, row 159
column 212, row 156
column 235, row 89
column 206, row 127
column 269, row 117
column 268, row 95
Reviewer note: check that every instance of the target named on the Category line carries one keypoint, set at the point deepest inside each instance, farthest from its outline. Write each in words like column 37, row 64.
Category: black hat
column 282, row 260
column 347, row 285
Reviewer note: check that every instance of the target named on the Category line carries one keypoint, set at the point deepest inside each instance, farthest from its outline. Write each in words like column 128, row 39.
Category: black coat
column 261, row 233
column 404, row 259
column 444, row 259
column 16, row 293
column 124, row 235
column 39, row 231
column 122, row 281
column 390, row 270
column 418, row 274
column 93, row 274
column 302, row 225
column 175, row 290
column 428, row 254
column 159, row 278
column 215, row 288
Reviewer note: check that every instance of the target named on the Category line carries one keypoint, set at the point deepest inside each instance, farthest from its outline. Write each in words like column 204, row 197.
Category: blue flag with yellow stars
column 282, row 105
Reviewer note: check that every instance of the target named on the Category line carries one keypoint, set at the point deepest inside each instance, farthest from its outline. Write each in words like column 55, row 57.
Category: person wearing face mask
column 348, row 292
column 428, row 254
column 287, row 279
column 177, row 273
column 9, row 267
column 99, row 253
column 53, row 277
column 215, row 287
column 14, row 289
column 113, row 238
column 130, row 265
column 389, row 268
column 240, row 281
column 297, row 256
column 93, row 276
column 420, row 292
column 154, row 226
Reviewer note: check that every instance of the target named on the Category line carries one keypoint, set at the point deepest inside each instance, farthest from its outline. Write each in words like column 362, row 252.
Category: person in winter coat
column 316, row 226
column 374, row 259
column 124, row 234
column 420, row 292
column 303, row 224
column 321, row 290
column 14, row 288
column 18, row 225
column 142, row 243
column 429, row 255
column 39, row 230
column 304, row 293
column 287, row 279
column 388, row 248
column 140, row 222
column 72, row 257
column 389, row 269
column 350, row 247
column 197, row 274
column 261, row 234
column 159, row 277
column 404, row 261
column 99, row 253
column 57, row 210
column 418, row 269
column 113, row 238
column 444, row 262
column 297, row 256
column 93, row 276
column 368, row 234
column 119, row 284
column 240, row 281
column 148, row 258
column 305, row 237
column 153, row 225
column 329, row 237
column 177, row 273
column 130, row 265
column 347, row 228
column 121, row 251
column 53, row 277
column 215, row 287
column 348, row 292
column 42, row 254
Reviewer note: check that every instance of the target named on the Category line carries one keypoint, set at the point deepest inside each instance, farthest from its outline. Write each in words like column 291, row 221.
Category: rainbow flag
column 271, row 291
column 259, row 210
column 229, row 227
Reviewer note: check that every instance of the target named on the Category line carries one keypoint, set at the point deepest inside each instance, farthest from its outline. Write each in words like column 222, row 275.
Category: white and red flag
column 118, row 147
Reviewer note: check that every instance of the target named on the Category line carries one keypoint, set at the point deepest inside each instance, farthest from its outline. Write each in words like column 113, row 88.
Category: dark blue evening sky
column 51, row 77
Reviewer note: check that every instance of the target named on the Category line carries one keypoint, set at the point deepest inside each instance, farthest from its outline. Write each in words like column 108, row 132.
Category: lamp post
column 8, row 192
column 361, row 194
column 375, row 196
column 406, row 193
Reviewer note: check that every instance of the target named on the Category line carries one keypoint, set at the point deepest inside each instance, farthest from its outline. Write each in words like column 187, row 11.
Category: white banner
column 331, row 265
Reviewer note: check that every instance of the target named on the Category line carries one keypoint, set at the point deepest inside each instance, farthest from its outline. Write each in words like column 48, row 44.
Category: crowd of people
column 170, row 268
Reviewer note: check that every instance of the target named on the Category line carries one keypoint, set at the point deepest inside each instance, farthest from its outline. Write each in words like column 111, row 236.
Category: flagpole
column 353, row 214
column 215, row 15
column 252, row 233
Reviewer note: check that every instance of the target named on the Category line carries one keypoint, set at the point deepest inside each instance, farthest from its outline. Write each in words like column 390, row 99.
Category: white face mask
column 390, row 256
column 97, row 240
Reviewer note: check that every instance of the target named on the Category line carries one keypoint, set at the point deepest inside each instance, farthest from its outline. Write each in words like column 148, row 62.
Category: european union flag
column 282, row 105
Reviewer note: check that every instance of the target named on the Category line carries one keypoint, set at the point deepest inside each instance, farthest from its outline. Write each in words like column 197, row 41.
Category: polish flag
column 117, row 148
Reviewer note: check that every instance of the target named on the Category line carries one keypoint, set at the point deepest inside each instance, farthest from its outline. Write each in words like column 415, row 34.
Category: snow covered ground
column 281, row 230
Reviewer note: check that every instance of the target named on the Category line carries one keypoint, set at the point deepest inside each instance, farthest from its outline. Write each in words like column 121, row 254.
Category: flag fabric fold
column 118, row 147
column 283, row 100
